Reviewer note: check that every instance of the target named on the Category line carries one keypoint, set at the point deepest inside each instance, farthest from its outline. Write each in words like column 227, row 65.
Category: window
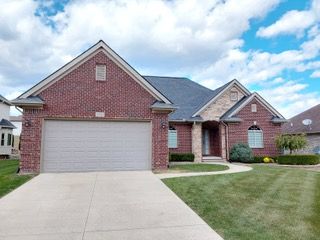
column 255, row 137
column 9, row 139
column 2, row 139
column 253, row 107
column 234, row 96
column 172, row 138
column 101, row 72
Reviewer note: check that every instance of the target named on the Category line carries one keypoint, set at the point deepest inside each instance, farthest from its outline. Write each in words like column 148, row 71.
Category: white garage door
column 73, row 146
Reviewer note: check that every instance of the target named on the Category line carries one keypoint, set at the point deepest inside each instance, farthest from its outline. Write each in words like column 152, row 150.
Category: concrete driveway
column 106, row 205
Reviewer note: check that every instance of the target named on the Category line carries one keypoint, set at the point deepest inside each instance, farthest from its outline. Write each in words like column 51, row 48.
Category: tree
column 291, row 142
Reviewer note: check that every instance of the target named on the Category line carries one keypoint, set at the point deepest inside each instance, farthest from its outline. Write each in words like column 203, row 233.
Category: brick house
column 301, row 124
column 98, row 113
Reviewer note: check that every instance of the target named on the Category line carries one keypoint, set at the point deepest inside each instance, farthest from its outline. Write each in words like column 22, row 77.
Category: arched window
column 255, row 137
column 172, row 137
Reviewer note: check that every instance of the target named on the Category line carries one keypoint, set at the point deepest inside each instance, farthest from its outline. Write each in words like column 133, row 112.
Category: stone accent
column 221, row 105
column 197, row 141
column 223, row 139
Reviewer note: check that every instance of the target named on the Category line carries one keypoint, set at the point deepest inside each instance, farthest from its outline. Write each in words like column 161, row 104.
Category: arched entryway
column 211, row 141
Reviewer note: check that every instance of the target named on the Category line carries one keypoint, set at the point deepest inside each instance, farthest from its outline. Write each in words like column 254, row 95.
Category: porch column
column 197, row 141
column 223, row 139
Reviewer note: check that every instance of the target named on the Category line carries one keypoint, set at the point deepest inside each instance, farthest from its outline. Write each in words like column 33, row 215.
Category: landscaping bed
column 263, row 204
column 9, row 179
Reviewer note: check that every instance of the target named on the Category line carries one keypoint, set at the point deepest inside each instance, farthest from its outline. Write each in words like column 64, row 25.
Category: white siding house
column 6, row 128
column 17, row 122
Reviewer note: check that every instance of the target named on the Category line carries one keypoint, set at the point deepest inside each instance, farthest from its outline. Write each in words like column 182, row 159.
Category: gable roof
column 227, row 114
column 295, row 124
column 33, row 101
column 6, row 124
column 187, row 95
column 220, row 91
column 245, row 100
column 4, row 100
column 100, row 46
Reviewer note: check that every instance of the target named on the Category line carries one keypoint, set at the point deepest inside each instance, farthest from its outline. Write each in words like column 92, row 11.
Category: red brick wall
column 184, row 138
column 238, row 133
column 79, row 95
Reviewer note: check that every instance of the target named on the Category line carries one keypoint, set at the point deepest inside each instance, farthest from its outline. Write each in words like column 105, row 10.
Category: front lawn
column 9, row 179
column 194, row 167
column 263, row 204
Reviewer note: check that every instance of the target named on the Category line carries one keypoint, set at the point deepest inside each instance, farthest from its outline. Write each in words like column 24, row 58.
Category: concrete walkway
column 94, row 206
column 233, row 168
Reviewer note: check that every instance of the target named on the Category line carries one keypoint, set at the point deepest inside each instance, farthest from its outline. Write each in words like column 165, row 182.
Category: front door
column 206, row 142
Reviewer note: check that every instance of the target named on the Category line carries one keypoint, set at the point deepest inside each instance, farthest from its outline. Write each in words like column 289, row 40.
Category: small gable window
column 172, row 138
column 255, row 137
column 253, row 107
column 234, row 96
column 101, row 72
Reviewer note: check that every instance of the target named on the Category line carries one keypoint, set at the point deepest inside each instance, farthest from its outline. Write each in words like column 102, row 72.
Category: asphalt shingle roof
column 6, row 124
column 3, row 99
column 295, row 125
column 187, row 95
column 28, row 100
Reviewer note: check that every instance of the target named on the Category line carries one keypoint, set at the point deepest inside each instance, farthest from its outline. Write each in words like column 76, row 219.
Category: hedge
column 298, row 159
column 181, row 157
column 258, row 159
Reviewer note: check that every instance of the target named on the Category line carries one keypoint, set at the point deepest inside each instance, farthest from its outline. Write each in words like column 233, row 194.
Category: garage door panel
column 96, row 146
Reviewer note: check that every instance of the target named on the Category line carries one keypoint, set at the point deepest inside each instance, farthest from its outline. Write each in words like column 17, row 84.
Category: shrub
column 268, row 160
column 241, row 152
column 181, row 157
column 258, row 159
column 299, row 159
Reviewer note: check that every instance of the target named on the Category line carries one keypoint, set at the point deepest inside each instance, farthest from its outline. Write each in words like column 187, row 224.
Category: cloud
column 293, row 22
column 315, row 74
column 198, row 39
column 158, row 37
column 290, row 98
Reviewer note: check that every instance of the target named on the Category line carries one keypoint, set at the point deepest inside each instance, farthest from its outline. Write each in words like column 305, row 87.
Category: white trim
column 255, row 143
column 260, row 100
column 230, row 85
column 172, row 134
column 81, row 58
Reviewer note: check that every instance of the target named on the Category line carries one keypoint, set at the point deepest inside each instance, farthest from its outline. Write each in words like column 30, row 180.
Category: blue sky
column 271, row 46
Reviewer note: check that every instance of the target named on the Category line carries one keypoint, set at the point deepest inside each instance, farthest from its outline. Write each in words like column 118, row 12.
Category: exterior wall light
column 163, row 124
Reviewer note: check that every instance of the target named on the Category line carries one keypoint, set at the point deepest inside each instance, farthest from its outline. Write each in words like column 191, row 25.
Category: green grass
column 194, row 167
column 9, row 179
column 263, row 204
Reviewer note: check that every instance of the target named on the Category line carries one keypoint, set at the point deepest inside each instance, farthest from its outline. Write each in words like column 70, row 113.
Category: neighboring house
column 6, row 127
column 301, row 124
column 17, row 122
column 98, row 113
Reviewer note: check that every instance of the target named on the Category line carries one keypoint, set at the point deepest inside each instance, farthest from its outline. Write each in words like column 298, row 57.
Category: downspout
column 227, row 139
